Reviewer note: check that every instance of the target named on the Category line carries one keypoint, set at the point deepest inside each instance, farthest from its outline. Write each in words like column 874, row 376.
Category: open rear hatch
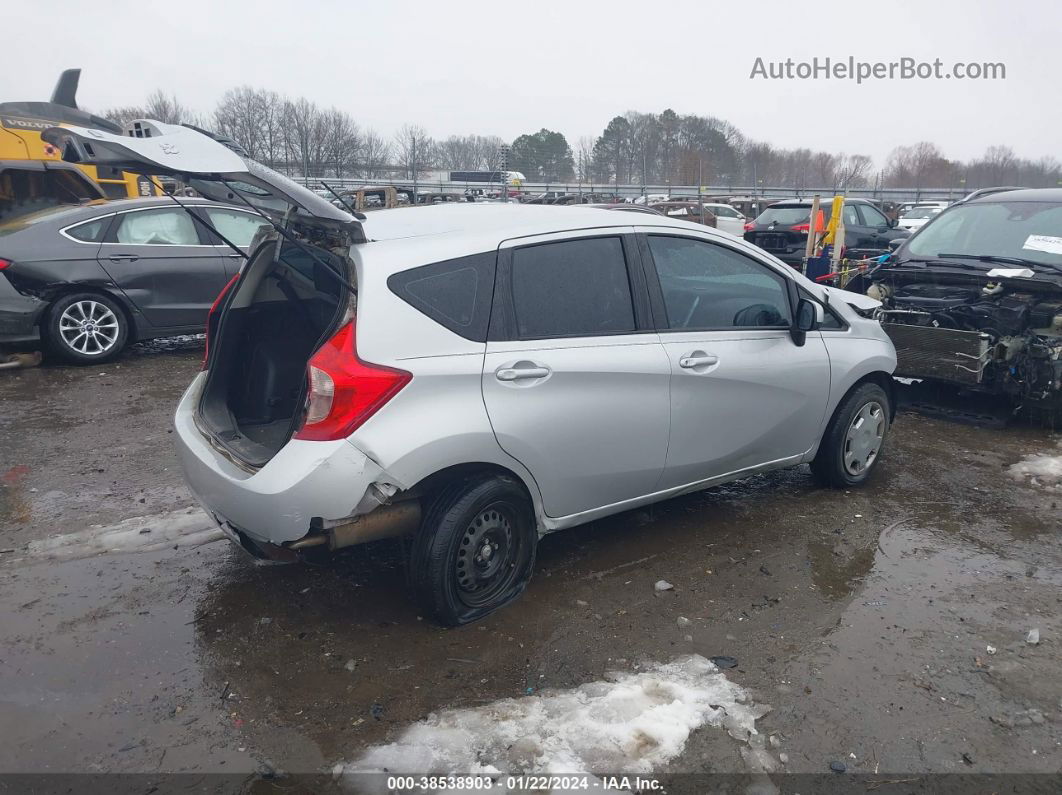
column 292, row 295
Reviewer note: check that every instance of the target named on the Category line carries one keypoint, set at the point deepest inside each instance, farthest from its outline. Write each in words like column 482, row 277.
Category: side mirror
column 809, row 315
column 895, row 243
column 893, row 222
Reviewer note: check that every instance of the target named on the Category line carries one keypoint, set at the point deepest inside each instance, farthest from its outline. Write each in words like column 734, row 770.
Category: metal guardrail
column 633, row 191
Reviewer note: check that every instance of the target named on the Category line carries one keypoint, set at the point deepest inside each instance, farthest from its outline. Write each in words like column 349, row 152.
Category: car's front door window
column 237, row 227
column 872, row 217
column 706, row 286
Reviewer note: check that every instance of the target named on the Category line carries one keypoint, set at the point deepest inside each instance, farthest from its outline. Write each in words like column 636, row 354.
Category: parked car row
column 783, row 228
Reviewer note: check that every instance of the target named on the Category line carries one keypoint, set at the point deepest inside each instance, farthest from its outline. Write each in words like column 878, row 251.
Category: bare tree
column 375, row 154
column 413, row 150
column 304, row 136
column 342, row 141
column 167, row 108
column 124, row 114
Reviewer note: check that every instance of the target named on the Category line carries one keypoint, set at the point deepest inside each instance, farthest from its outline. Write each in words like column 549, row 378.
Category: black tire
column 843, row 462
column 105, row 327
column 455, row 579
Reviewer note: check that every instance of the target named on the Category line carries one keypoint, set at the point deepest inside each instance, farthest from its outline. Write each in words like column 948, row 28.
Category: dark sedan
column 782, row 229
column 87, row 281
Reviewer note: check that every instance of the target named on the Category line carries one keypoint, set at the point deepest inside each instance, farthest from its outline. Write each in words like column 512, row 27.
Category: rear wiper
column 1005, row 260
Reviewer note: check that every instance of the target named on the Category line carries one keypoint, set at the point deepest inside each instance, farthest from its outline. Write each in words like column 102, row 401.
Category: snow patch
column 630, row 723
column 189, row 527
column 1040, row 470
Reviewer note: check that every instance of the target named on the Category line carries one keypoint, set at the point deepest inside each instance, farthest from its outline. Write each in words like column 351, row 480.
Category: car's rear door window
column 572, row 288
column 706, row 286
column 164, row 227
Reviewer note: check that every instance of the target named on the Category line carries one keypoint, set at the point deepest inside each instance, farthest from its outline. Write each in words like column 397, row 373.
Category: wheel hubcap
column 89, row 327
column 484, row 563
column 862, row 443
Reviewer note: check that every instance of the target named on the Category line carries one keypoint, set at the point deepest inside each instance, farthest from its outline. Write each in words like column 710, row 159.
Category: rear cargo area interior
column 257, row 380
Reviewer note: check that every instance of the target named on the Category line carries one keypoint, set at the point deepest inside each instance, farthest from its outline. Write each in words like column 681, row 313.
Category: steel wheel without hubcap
column 863, row 440
column 89, row 328
column 485, row 557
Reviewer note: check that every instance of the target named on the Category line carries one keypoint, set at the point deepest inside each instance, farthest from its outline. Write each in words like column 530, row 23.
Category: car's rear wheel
column 854, row 439
column 86, row 328
column 475, row 549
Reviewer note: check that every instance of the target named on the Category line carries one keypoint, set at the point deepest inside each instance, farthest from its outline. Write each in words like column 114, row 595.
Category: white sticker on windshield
column 1048, row 243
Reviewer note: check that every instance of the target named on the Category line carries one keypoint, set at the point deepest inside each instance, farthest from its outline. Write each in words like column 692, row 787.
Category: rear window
column 784, row 216
column 455, row 293
column 572, row 288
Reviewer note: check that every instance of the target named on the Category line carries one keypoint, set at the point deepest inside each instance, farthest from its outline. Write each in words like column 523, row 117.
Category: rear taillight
column 343, row 390
column 5, row 263
column 804, row 228
column 750, row 226
column 212, row 318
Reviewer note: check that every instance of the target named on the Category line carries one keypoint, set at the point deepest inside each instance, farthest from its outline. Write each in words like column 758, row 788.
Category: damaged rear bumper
column 305, row 485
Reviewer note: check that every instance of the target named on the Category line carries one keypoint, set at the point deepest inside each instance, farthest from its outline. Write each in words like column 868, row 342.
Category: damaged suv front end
column 974, row 299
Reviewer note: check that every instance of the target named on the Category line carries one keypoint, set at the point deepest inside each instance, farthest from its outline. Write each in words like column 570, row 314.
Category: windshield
column 784, row 216
column 920, row 213
column 1025, row 230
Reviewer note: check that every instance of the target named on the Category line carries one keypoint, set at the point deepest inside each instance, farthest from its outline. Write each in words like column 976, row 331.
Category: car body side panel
column 762, row 400
column 438, row 420
column 853, row 357
column 593, row 431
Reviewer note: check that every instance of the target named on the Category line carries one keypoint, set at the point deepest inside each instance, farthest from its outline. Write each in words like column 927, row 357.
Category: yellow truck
column 32, row 172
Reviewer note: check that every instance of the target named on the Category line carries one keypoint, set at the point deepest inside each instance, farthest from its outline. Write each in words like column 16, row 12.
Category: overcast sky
column 506, row 68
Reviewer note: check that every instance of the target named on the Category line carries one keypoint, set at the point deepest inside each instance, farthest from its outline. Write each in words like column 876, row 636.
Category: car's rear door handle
column 124, row 257
column 521, row 373
column 698, row 360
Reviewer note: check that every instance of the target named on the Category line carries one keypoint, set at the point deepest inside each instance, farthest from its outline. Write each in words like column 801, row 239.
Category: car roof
column 405, row 237
column 824, row 203
column 1021, row 195
column 502, row 221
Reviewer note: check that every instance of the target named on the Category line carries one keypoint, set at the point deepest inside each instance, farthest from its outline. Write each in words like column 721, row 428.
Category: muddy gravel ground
column 886, row 628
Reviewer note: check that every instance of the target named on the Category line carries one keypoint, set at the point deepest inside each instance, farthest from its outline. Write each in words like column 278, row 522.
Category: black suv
column 782, row 229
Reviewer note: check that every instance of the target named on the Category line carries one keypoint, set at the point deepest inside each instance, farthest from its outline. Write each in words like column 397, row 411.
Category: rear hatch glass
column 784, row 216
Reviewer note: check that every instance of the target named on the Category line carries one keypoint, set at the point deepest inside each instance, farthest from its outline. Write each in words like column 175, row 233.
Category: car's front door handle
column 698, row 360
column 124, row 257
column 521, row 373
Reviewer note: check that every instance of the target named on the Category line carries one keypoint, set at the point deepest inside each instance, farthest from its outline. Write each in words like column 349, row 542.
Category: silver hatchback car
column 474, row 376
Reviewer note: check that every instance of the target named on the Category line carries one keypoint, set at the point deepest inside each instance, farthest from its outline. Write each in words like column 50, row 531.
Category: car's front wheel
column 854, row 439
column 86, row 328
column 475, row 549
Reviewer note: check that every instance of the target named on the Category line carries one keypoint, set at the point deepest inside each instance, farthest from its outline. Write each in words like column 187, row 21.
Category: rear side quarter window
column 89, row 231
column 455, row 293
